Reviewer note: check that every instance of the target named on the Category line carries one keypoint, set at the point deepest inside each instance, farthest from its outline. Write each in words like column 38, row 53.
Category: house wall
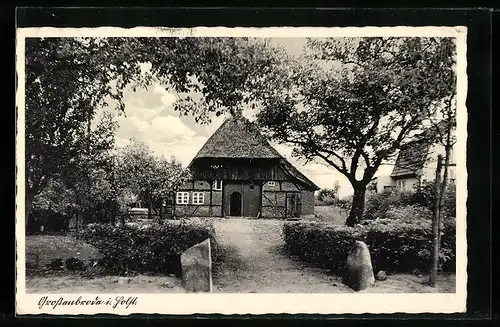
column 382, row 182
column 241, row 170
column 282, row 200
column 429, row 169
column 406, row 184
column 278, row 199
column 250, row 197
column 307, row 200
column 273, row 203
column 211, row 207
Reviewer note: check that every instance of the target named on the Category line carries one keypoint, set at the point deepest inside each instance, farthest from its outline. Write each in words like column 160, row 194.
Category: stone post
column 196, row 263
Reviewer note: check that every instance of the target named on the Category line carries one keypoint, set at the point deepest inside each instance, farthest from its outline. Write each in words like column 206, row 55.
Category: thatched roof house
column 238, row 173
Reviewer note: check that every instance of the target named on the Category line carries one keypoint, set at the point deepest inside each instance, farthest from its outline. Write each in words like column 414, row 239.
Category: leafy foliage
column 329, row 196
column 409, row 213
column 354, row 103
column 378, row 205
column 51, row 208
column 151, row 177
column 155, row 248
column 395, row 246
column 67, row 79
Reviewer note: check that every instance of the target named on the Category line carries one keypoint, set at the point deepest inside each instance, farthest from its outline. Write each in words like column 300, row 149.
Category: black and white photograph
column 243, row 170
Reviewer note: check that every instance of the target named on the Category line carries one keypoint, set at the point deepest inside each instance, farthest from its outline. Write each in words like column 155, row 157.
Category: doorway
column 235, row 204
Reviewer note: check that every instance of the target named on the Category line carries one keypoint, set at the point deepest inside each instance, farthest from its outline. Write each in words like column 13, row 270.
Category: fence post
column 435, row 224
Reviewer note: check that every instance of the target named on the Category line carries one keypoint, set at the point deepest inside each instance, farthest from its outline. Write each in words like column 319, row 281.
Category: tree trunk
column 113, row 212
column 358, row 205
column 150, row 206
column 160, row 213
column 442, row 193
column 435, row 224
column 77, row 214
column 28, row 203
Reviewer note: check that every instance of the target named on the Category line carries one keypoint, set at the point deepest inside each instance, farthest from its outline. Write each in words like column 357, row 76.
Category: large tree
column 149, row 176
column 89, row 171
column 67, row 79
column 356, row 101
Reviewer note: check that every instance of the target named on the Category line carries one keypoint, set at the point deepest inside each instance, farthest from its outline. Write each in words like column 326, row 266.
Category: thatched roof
column 413, row 155
column 411, row 158
column 295, row 173
column 238, row 138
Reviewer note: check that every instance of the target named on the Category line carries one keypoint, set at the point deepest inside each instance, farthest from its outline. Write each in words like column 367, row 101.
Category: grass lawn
column 330, row 214
column 72, row 283
column 42, row 249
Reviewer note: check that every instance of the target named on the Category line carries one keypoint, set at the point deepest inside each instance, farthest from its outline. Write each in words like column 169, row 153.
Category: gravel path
column 255, row 263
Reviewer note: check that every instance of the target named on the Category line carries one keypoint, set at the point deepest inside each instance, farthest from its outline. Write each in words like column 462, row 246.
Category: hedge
column 377, row 205
column 141, row 249
column 395, row 247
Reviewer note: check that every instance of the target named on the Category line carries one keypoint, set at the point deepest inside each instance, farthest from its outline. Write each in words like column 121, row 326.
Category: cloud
column 169, row 128
column 184, row 151
column 167, row 98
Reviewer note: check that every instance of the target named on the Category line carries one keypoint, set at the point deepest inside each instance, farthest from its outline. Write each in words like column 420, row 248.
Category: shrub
column 409, row 213
column 424, row 196
column 155, row 248
column 377, row 205
column 395, row 246
column 328, row 196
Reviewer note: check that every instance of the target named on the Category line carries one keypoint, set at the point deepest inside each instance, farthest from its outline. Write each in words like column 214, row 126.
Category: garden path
column 254, row 262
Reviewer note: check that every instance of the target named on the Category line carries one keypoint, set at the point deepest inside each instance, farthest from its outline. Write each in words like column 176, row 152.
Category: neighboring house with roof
column 238, row 173
column 415, row 165
column 381, row 183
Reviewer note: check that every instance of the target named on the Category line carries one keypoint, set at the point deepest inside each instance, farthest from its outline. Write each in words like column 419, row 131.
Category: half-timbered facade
column 238, row 173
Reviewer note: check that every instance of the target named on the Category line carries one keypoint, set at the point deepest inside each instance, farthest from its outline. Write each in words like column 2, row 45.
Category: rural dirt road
column 254, row 262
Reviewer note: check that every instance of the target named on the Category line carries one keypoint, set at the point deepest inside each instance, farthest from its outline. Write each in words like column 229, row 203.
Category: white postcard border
column 252, row 303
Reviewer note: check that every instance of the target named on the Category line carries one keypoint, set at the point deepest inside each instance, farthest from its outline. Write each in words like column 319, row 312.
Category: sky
column 150, row 118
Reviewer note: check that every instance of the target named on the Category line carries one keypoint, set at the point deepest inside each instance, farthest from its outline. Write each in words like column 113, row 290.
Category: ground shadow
column 280, row 250
column 228, row 260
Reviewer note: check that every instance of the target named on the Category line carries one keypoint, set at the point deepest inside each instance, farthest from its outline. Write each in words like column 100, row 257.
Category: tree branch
column 339, row 169
column 316, row 151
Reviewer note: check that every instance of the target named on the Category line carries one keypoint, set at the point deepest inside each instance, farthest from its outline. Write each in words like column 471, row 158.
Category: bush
column 395, row 246
column 328, row 196
column 155, row 248
column 52, row 222
column 424, row 196
column 377, row 205
column 409, row 213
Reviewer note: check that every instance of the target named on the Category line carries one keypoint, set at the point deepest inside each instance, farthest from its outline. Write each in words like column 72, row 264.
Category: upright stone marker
column 196, row 265
column 359, row 270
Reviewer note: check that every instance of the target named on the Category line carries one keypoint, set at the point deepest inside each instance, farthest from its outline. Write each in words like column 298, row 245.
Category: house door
column 235, row 204
column 293, row 205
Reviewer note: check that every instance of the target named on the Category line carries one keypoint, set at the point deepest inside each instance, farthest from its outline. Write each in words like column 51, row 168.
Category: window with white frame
column 182, row 198
column 401, row 185
column 218, row 185
column 271, row 183
column 198, row 197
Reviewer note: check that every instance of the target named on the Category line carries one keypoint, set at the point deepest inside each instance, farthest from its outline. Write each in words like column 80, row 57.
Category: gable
column 237, row 138
column 411, row 159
